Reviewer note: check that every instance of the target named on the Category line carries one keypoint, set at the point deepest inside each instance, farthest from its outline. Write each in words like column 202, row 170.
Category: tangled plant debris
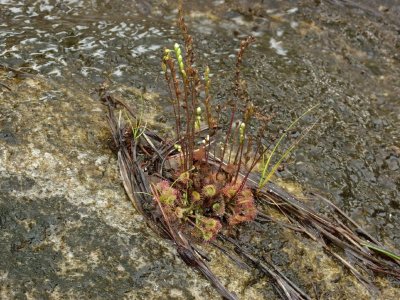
column 198, row 187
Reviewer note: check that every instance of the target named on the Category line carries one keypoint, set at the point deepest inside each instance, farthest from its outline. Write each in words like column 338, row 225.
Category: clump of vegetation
column 210, row 174
column 209, row 194
column 202, row 189
column 198, row 187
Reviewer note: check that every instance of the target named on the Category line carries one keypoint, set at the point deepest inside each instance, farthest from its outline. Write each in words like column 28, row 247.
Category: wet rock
column 395, row 150
column 8, row 137
column 393, row 163
column 279, row 258
column 66, row 227
column 16, row 184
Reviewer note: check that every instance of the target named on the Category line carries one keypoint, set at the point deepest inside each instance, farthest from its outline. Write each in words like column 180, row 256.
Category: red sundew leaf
column 199, row 154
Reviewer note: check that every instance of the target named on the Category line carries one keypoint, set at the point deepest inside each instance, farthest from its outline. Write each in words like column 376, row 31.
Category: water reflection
column 80, row 37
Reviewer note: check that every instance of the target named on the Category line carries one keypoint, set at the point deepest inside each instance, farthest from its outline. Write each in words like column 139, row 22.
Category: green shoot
column 143, row 193
column 266, row 174
column 382, row 251
column 183, row 176
column 137, row 128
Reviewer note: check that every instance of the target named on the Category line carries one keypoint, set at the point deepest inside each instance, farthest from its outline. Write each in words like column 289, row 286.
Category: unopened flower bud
column 241, row 131
column 207, row 73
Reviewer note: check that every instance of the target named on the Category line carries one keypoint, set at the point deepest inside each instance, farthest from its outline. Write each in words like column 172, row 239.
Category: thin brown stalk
column 171, row 67
column 175, row 105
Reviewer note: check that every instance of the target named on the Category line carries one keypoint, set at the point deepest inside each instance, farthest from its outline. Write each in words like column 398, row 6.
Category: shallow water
column 340, row 54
